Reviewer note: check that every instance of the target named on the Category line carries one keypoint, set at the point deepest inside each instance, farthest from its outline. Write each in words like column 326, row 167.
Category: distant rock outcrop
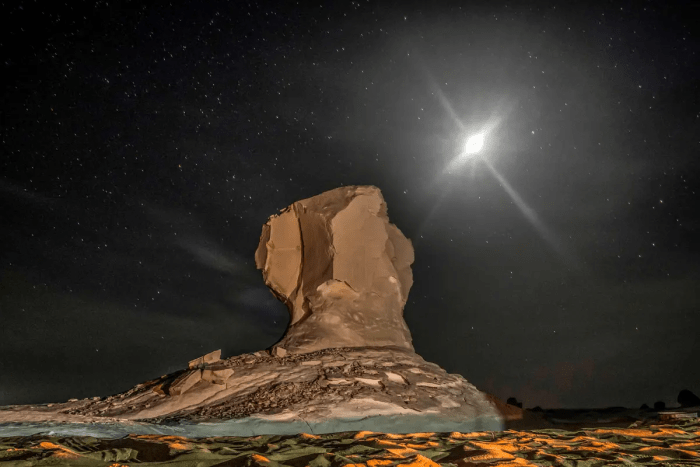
column 688, row 399
column 659, row 405
column 513, row 401
column 509, row 411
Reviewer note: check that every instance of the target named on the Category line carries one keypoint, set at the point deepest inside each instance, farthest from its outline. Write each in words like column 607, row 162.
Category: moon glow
column 474, row 144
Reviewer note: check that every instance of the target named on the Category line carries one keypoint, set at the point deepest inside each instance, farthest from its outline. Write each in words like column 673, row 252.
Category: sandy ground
column 643, row 445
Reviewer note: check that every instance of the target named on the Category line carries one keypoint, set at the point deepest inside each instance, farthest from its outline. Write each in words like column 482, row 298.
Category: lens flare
column 468, row 156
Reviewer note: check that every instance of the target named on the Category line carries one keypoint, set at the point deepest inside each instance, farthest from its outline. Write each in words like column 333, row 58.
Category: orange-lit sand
column 643, row 446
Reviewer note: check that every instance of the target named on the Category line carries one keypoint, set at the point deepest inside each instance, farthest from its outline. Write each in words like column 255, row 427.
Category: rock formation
column 514, row 402
column 686, row 398
column 509, row 411
column 345, row 363
column 341, row 268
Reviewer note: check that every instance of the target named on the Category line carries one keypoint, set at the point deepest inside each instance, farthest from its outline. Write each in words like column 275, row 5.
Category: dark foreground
column 641, row 444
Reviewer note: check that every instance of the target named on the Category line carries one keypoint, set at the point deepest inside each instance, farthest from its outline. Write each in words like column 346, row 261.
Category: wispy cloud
column 191, row 238
column 15, row 190
column 208, row 254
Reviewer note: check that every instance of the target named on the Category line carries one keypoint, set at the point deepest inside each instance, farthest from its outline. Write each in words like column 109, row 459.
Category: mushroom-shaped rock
column 342, row 269
column 346, row 362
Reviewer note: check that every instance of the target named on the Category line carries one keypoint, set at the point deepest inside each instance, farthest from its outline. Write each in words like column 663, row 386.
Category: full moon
column 474, row 144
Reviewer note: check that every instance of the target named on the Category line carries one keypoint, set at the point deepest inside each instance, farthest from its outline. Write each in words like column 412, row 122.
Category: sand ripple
column 589, row 447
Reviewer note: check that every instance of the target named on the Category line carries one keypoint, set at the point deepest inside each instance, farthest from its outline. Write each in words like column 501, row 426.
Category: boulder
column 211, row 357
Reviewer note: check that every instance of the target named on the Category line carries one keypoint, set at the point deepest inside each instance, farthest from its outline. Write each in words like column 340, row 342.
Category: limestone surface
column 342, row 269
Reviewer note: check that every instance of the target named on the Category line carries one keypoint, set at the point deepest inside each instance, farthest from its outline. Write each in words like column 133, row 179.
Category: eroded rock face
column 341, row 268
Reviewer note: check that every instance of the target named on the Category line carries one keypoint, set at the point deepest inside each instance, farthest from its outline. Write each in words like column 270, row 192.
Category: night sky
column 144, row 147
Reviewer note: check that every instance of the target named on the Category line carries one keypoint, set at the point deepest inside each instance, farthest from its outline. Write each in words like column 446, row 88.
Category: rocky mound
column 329, row 384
